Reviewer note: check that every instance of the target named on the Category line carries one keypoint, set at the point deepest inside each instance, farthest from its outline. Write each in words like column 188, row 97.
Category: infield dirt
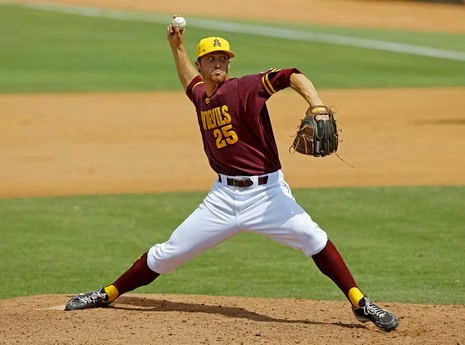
column 84, row 143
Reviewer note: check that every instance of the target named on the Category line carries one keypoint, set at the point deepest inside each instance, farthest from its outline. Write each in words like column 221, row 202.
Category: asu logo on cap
column 213, row 44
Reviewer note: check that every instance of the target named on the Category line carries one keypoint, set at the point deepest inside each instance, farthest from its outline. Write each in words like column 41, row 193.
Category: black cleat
column 92, row 299
column 369, row 311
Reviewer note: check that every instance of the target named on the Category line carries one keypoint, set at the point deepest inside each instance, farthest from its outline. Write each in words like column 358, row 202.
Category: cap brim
column 228, row 52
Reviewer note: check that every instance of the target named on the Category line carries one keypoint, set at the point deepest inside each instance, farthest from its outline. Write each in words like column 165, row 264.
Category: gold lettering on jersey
column 225, row 113
column 216, row 117
column 218, row 120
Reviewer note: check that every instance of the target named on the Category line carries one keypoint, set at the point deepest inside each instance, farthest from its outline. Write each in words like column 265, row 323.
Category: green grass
column 56, row 52
column 438, row 40
column 402, row 244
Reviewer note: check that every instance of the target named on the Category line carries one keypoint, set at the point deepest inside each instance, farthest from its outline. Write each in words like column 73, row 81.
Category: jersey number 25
column 225, row 136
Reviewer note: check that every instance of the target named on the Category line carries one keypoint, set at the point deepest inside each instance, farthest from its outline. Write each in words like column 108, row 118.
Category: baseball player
column 250, row 193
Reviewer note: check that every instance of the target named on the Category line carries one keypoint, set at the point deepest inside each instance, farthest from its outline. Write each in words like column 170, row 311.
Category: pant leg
column 211, row 223
column 277, row 215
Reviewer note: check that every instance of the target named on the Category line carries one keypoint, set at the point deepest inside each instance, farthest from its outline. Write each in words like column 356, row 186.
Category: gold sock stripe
column 112, row 292
column 355, row 295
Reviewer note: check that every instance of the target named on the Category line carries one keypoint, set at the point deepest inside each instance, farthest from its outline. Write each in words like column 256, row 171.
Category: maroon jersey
column 235, row 124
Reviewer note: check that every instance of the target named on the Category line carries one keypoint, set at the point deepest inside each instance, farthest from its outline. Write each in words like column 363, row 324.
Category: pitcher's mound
column 191, row 319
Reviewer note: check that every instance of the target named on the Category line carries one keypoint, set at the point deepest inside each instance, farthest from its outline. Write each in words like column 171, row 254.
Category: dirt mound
column 168, row 319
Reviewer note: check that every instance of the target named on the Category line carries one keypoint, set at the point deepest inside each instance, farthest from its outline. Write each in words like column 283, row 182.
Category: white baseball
column 178, row 22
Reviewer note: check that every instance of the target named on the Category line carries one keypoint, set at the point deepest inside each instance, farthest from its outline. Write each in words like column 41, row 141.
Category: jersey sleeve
column 193, row 87
column 275, row 79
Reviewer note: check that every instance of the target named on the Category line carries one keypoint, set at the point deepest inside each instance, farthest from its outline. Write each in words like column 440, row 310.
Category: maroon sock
column 331, row 263
column 137, row 275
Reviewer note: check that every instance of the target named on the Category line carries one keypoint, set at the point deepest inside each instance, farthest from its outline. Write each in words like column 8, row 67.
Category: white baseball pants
column 269, row 209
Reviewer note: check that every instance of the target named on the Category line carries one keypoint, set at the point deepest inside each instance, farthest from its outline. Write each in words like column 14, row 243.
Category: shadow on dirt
column 147, row 304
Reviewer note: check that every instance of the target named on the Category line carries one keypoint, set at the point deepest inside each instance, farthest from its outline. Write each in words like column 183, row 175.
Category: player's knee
column 163, row 258
column 313, row 241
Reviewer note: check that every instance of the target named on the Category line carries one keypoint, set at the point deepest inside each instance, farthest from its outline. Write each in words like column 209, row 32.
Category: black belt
column 244, row 182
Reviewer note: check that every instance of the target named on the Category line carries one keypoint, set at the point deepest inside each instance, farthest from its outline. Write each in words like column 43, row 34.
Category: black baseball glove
column 317, row 134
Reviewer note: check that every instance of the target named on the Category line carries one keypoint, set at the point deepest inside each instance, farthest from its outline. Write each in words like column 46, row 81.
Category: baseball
column 178, row 22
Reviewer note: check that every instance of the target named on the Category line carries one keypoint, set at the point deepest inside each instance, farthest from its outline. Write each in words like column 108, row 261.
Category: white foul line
column 251, row 29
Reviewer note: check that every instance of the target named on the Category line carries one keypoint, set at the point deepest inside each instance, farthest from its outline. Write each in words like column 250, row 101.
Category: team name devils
column 216, row 117
column 218, row 121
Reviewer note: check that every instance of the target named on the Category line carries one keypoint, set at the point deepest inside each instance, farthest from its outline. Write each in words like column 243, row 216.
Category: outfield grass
column 402, row 244
column 56, row 52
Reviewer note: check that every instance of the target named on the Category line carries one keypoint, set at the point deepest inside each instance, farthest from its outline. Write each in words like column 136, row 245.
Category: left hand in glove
column 317, row 134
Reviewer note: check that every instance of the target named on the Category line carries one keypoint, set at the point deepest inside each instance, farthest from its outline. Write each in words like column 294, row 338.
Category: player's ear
column 197, row 65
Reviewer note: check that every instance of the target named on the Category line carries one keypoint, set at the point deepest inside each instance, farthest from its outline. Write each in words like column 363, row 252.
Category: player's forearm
column 185, row 68
column 305, row 88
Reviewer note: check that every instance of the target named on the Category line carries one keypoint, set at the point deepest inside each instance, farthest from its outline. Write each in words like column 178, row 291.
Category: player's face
column 214, row 67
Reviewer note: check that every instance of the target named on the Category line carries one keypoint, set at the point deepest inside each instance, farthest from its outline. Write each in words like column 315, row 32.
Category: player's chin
column 219, row 77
